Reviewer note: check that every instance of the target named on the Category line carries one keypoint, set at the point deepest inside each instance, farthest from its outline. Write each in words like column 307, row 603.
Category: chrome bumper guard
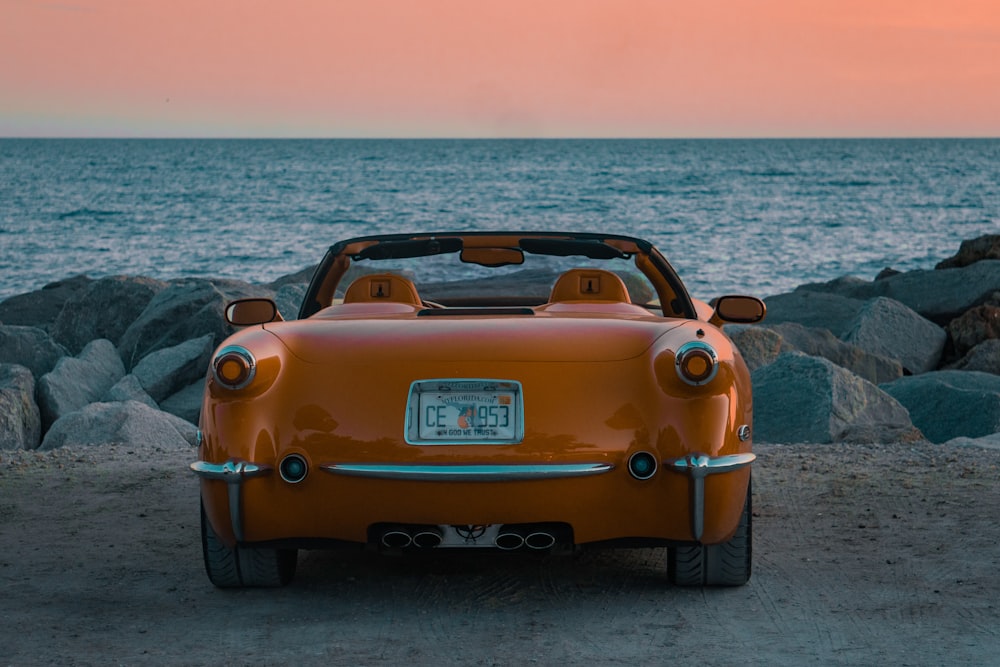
column 699, row 466
column 467, row 473
column 233, row 473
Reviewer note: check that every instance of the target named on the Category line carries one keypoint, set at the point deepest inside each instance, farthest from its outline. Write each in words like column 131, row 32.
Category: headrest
column 589, row 285
column 382, row 288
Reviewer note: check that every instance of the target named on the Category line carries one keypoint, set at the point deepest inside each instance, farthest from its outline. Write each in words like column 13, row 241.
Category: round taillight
column 696, row 362
column 234, row 367
column 293, row 468
column 642, row 465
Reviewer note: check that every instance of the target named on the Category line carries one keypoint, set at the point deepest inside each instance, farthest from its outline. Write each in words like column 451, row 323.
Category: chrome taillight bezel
column 243, row 356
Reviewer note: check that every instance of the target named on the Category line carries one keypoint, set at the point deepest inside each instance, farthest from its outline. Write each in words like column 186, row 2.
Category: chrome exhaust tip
column 540, row 541
column 396, row 539
column 509, row 541
column 428, row 538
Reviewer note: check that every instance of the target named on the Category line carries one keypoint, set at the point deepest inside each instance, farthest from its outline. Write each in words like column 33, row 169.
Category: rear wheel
column 244, row 566
column 726, row 564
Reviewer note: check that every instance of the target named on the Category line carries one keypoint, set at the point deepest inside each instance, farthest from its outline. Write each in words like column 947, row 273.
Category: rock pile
column 116, row 360
column 906, row 356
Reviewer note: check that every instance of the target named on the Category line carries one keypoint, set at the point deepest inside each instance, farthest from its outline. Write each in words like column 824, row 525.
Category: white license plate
column 449, row 412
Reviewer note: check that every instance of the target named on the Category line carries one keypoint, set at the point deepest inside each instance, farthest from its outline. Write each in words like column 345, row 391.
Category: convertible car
column 502, row 390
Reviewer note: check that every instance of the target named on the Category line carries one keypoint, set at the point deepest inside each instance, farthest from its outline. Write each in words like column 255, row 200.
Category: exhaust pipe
column 540, row 540
column 509, row 540
column 396, row 538
column 428, row 538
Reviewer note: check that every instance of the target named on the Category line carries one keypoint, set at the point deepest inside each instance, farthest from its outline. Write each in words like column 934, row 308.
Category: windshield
column 484, row 269
column 448, row 280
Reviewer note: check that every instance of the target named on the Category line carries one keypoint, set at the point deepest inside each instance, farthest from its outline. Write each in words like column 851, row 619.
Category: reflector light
column 642, row 465
column 293, row 469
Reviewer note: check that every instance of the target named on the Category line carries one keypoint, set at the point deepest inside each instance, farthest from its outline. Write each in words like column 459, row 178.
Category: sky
column 500, row 68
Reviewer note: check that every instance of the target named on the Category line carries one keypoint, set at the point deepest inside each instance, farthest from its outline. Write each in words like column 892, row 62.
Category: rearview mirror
column 492, row 257
column 739, row 309
column 247, row 312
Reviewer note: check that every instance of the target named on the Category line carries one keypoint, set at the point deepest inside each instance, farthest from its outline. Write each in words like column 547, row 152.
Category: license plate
column 459, row 412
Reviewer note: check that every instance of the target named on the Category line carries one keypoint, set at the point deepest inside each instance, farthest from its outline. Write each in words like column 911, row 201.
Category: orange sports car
column 502, row 390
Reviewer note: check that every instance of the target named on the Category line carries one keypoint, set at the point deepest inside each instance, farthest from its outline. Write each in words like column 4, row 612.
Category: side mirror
column 247, row 312
column 738, row 310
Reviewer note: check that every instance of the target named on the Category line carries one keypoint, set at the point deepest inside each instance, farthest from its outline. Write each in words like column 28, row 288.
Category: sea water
column 732, row 216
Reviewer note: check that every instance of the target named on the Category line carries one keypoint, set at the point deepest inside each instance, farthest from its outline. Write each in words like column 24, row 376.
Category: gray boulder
column 984, row 358
column 78, row 381
column 888, row 328
column 41, row 307
column 814, row 309
column 301, row 277
column 129, row 389
column 940, row 295
column 104, row 309
column 20, row 421
column 186, row 309
column 130, row 423
column 759, row 346
column 186, row 403
column 949, row 404
column 822, row 343
column 31, row 347
column 800, row 398
column 170, row 369
column 289, row 299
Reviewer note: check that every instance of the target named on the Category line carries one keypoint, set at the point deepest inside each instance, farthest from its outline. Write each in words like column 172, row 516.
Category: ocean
column 732, row 216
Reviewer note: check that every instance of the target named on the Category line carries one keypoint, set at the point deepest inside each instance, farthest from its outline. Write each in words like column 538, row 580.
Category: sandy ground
column 863, row 555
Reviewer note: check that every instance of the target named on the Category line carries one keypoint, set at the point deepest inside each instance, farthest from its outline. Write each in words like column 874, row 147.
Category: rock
column 30, row 346
column 130, row 423
column 168, row 370
column 78, row 381
column 887, row 272
column 129, row 389
column 888, row 328
column 289, row 299
column 186, row 309
column 991, row 441
column 948, row 404
column 301, row 277
column 104, row 309
column 813, row 309
column 973, row 327
column 800, row 398
column 822, row 343
column 984, row 358
column 759, row 346
column 939, row 295
column 41, row 307
column 20, row 421
column 186, row 403
column 973, row 250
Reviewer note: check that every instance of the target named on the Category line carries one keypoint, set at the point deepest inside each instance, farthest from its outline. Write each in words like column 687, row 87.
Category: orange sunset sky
column 500, row 68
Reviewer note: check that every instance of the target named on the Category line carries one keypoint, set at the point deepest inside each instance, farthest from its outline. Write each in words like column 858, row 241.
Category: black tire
column 244, row 566
column 726, row 564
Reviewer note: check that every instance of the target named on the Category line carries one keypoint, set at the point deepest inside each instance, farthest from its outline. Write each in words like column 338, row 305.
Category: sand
column 863, row 555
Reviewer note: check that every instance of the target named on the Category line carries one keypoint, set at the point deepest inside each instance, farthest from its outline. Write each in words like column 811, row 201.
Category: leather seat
column 593, row 285
column 382, row 288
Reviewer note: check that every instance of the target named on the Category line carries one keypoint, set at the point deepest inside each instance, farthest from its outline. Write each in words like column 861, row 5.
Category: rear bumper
column 487, row 494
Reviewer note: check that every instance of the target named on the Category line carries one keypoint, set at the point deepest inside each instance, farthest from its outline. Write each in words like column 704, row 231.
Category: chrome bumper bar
column 467, row 473
column 699, row 466
column 233, row 473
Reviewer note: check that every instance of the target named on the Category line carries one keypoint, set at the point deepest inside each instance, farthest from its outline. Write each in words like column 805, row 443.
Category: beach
column 864, row 554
